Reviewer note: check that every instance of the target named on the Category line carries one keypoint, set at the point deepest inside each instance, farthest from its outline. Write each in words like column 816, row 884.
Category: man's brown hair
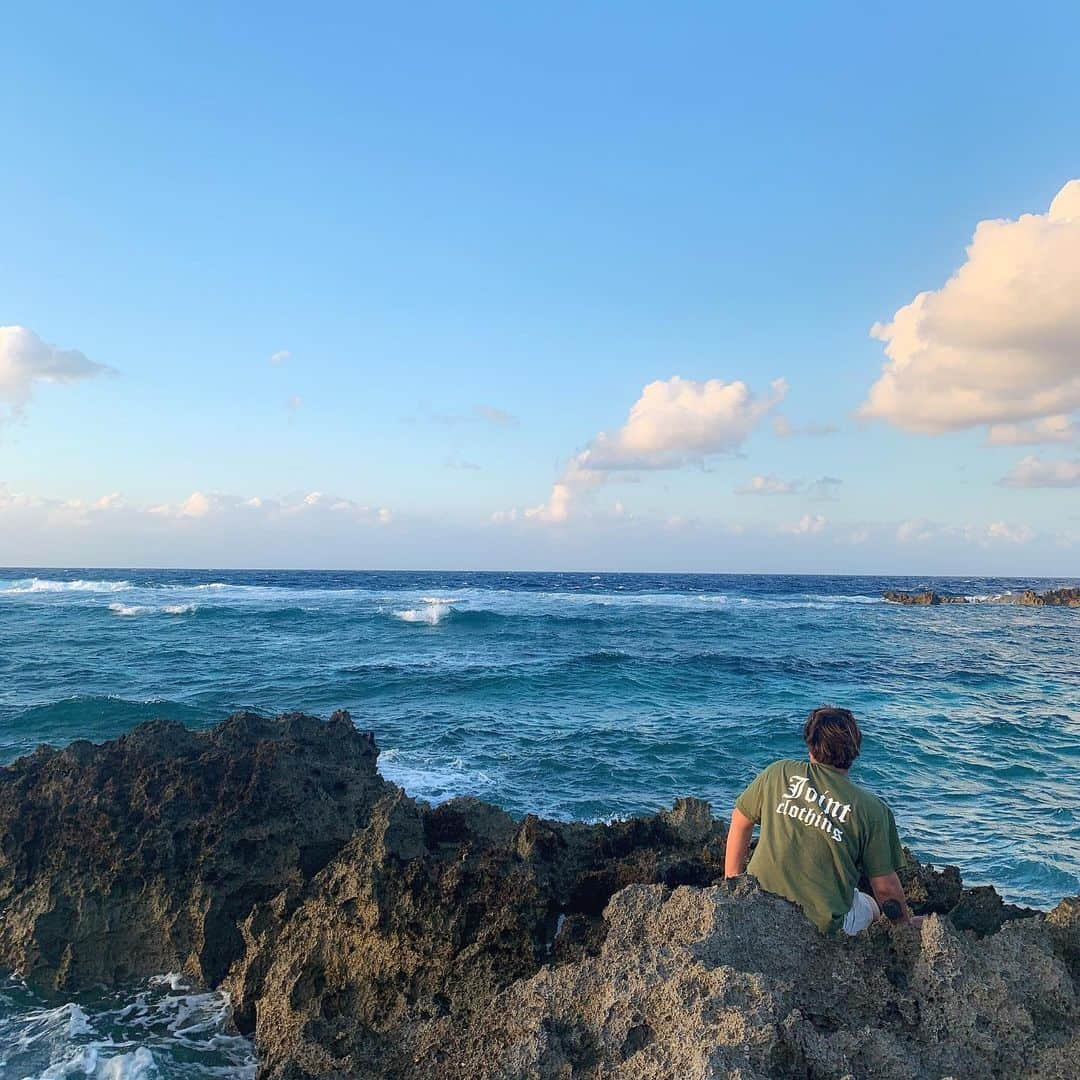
column 832, row 736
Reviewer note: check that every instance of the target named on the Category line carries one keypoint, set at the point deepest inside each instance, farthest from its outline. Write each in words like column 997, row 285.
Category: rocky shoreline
column 361, row 933
column 1069, row 597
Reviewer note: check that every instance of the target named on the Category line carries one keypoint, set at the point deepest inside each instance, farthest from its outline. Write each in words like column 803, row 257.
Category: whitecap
column 431, row 779
column 50, row 585
column 432, row 613
column 179, row 609
column 129, row 610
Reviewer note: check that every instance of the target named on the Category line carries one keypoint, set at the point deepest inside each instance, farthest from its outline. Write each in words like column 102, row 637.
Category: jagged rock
column 1068, row 597
column 363, row 934
column 981, row 909
column 728, row 981
column 922, row 599
column 141, row 855
column 928, row 891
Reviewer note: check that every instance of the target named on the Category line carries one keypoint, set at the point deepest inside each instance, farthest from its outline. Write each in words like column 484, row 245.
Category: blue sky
column 480, row 232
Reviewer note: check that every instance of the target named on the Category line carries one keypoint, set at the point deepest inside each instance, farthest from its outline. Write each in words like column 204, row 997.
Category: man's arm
column 888, row 887
column 738, row 844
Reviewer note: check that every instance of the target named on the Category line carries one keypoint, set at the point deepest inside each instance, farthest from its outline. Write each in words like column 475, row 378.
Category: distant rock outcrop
column 363, row 934
column 1028, row 598
column 922, row 599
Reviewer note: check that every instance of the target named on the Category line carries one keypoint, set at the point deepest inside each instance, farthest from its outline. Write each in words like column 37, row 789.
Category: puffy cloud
column 197, row 505
column 999, row 343
column 1051, row 429
column 921, row 531
column 1035, row 472
column 1013, row 534
column 557, row 508
column 675, row 422
column 25, row 360
column 680, row 421
column 808, row 524
column 768, row 485
column 280, row 357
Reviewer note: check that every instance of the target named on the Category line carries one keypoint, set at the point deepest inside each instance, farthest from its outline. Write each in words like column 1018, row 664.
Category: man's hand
column 888, row 887
column 738, row 844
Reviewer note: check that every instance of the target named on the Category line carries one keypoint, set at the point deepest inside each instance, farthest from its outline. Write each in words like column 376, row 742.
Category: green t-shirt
column 818, row 832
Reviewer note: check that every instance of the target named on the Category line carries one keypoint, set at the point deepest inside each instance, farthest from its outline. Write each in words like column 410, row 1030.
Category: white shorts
column 864, row 911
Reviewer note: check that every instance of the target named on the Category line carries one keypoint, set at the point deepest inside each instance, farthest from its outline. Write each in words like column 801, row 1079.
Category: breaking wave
column 162, row 1029
column 432, row 612
column 47, row 585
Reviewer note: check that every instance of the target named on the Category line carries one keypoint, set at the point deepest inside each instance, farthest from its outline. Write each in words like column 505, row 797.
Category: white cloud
column 916, row 531
column 999, row 343
column 196, row 505
column 556, row 509
column 680, row 421
column 26, row 360
column 1051, row 429
column 675, row 422
column 200, row 505
column 1036, row 472
column 808, row 524
column 280, row 357
column 768, row 485
column 1013, row 534
column 921, row 531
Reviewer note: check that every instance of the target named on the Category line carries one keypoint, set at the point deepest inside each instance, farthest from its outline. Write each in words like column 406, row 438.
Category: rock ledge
column 364, row 934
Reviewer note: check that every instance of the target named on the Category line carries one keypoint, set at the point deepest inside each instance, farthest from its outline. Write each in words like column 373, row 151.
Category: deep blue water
column 584, row 695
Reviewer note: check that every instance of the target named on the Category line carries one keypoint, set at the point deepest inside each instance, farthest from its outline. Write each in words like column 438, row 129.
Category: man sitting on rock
column 820, row 832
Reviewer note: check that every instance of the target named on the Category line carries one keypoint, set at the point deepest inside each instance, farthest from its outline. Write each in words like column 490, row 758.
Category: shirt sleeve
column 883, row 852
column 750, row 801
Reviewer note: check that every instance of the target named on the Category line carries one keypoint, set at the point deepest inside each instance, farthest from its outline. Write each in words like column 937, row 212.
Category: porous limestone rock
column 363, row 934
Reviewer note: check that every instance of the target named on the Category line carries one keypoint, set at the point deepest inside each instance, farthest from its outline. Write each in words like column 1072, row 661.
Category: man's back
column 819, row 833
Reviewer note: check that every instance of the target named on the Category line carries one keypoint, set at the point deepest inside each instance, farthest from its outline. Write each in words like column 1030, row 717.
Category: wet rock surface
column 364, row 934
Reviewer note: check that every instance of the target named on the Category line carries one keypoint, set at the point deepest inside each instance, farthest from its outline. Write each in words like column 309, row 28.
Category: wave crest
column 431, row 614
column 50, row 585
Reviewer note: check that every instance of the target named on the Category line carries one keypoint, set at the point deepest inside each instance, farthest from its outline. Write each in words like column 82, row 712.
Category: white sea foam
column 100, row 1061
column 162, row 1031
column 48, row 585
column 432, row 613
column 127, row 611
column 425, row 777
column 179, row 609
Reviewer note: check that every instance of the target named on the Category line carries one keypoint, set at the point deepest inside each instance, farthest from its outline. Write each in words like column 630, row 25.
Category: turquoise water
column 588, row 696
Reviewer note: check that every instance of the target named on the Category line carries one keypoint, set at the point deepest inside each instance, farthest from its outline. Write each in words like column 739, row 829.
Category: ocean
column 570, row 695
